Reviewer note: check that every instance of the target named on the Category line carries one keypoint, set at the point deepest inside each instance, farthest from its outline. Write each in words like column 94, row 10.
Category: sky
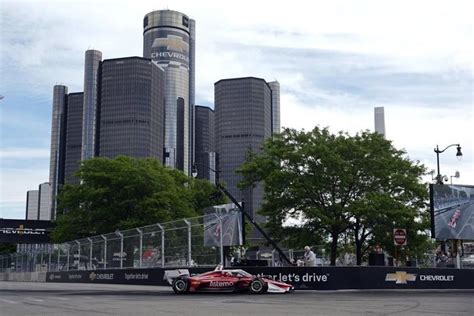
column 335, row 61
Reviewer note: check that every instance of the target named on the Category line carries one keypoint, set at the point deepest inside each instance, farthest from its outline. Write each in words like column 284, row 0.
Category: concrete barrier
column 23, row 276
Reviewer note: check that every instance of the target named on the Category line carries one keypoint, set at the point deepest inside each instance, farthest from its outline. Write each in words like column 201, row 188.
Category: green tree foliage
column 6, row 248
column 338, row 184
column 124, row 193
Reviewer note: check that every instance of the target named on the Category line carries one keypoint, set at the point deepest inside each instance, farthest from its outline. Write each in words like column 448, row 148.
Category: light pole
column 242, row 210
column 439, row 178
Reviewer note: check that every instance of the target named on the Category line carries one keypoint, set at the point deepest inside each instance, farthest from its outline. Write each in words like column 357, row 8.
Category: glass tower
column 169, row 40
column 91, row 91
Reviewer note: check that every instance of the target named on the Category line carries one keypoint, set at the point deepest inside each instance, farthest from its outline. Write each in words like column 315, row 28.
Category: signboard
column 225, row 219
column 303, row 278
column 25, row 231
column 399, row 237
column 452, row 211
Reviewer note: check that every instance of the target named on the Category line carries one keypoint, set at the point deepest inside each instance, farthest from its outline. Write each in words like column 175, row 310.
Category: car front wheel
column 258, row 286
column 180, row 286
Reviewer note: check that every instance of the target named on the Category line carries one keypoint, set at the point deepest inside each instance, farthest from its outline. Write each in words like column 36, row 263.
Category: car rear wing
column 170, row 275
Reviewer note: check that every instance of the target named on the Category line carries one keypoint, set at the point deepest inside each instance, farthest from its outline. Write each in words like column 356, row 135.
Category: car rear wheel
column 180, row 286
column 258, row 286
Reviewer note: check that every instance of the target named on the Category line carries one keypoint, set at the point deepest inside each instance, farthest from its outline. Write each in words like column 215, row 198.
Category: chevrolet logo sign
column 400, row 277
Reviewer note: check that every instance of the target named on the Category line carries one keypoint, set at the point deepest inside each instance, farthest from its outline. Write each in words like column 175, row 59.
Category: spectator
column 309, row 257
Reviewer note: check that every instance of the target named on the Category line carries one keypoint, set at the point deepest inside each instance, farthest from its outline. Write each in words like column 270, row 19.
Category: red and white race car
column 220, row 280
column 454, row 218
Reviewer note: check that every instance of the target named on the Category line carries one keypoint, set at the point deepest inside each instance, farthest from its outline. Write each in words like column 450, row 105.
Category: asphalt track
column 18, row 298
column 464, row 225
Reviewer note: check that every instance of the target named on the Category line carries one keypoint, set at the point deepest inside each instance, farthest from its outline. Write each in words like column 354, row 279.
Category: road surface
column 22, row 298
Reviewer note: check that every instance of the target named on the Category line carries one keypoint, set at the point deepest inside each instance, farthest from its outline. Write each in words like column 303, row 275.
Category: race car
column 223, row 280
column 454, row 218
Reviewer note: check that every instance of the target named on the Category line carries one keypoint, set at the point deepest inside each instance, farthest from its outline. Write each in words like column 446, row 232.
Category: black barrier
column 25, row 231
column 303, row 278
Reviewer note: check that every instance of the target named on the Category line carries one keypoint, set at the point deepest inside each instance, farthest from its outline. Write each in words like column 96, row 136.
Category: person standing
column 309, row 257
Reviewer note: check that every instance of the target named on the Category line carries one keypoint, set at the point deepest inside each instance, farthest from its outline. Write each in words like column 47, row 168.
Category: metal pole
column 49, row 260
column 67, row 257
column 105, row 251
column 141, row 247
column 438, row 177
column 59, row 257
column 162, row 245
column 221, row 241
column 189, row 242
column 78, row 254
column 90, row 252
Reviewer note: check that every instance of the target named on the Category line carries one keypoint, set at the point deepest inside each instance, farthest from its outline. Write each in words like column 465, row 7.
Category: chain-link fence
column 176, row 243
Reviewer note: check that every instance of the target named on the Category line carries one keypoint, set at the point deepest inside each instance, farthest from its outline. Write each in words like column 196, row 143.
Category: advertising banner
column 452, row 211
column 303, row 278
column 25, row 231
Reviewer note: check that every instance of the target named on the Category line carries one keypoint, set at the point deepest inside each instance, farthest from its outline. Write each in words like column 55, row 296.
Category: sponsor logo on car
column 101, row 276
column 221, row 284
column 400, row 277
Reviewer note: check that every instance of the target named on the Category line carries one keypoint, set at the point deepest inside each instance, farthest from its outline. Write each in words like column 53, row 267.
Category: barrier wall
column 303, row 278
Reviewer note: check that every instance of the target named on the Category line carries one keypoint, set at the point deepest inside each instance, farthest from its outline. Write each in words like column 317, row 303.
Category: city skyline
column 333, row 68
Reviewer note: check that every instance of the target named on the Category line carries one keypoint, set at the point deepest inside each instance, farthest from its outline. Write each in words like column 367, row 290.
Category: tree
column 336, row 183
column 125, row 193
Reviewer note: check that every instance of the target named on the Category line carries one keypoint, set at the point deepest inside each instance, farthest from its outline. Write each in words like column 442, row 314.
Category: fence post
column 140, row 247
column 67, row 257
column 105, row 251
column 273, row 257
column 189, row 241
column 49, row 259
column 90, row 253
column 59, row 257
column 78, row 254
column 221, row 241
column 118, row 233
column 162, row 245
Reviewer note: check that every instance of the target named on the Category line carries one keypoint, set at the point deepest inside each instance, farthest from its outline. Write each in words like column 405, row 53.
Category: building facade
column 132, row 107
column 73, row 136
column 205, row 155
column 243, row 120
column 92, row 62
column 169, row 39
column 275, row 86
column 379, row 120
column 44, row 202
column 32, row 204
column 58, row 142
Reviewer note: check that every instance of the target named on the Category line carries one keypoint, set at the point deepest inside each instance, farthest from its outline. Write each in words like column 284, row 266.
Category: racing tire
column 180, row 286
column 258, row 286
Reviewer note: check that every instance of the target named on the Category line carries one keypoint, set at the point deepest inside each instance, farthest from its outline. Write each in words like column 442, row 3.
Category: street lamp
column 456, row 175
column 439, row 178
column 222, row 189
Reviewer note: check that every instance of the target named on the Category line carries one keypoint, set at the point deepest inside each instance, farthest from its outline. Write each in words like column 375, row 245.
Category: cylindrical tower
column 91, row 90
column 58, row 130
column 167, row 42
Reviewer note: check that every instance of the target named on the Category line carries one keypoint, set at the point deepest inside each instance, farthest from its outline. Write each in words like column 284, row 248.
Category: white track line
column 8, row 301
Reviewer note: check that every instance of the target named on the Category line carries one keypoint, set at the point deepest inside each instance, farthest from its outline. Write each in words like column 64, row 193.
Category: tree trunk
column 334, row 237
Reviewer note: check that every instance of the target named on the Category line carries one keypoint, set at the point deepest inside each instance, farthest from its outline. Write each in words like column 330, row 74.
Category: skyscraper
column 275, row 86
column 205, row 155
column 73, row 136
column 58, row 128
column 243, row 120
column 169, row 39
column 91, row 99
column 44, row 202
column 379, row 118
column 32, row 204
column 131, row 108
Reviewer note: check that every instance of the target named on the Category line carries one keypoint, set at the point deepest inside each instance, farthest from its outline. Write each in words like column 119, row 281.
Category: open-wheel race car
column 223, row 280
